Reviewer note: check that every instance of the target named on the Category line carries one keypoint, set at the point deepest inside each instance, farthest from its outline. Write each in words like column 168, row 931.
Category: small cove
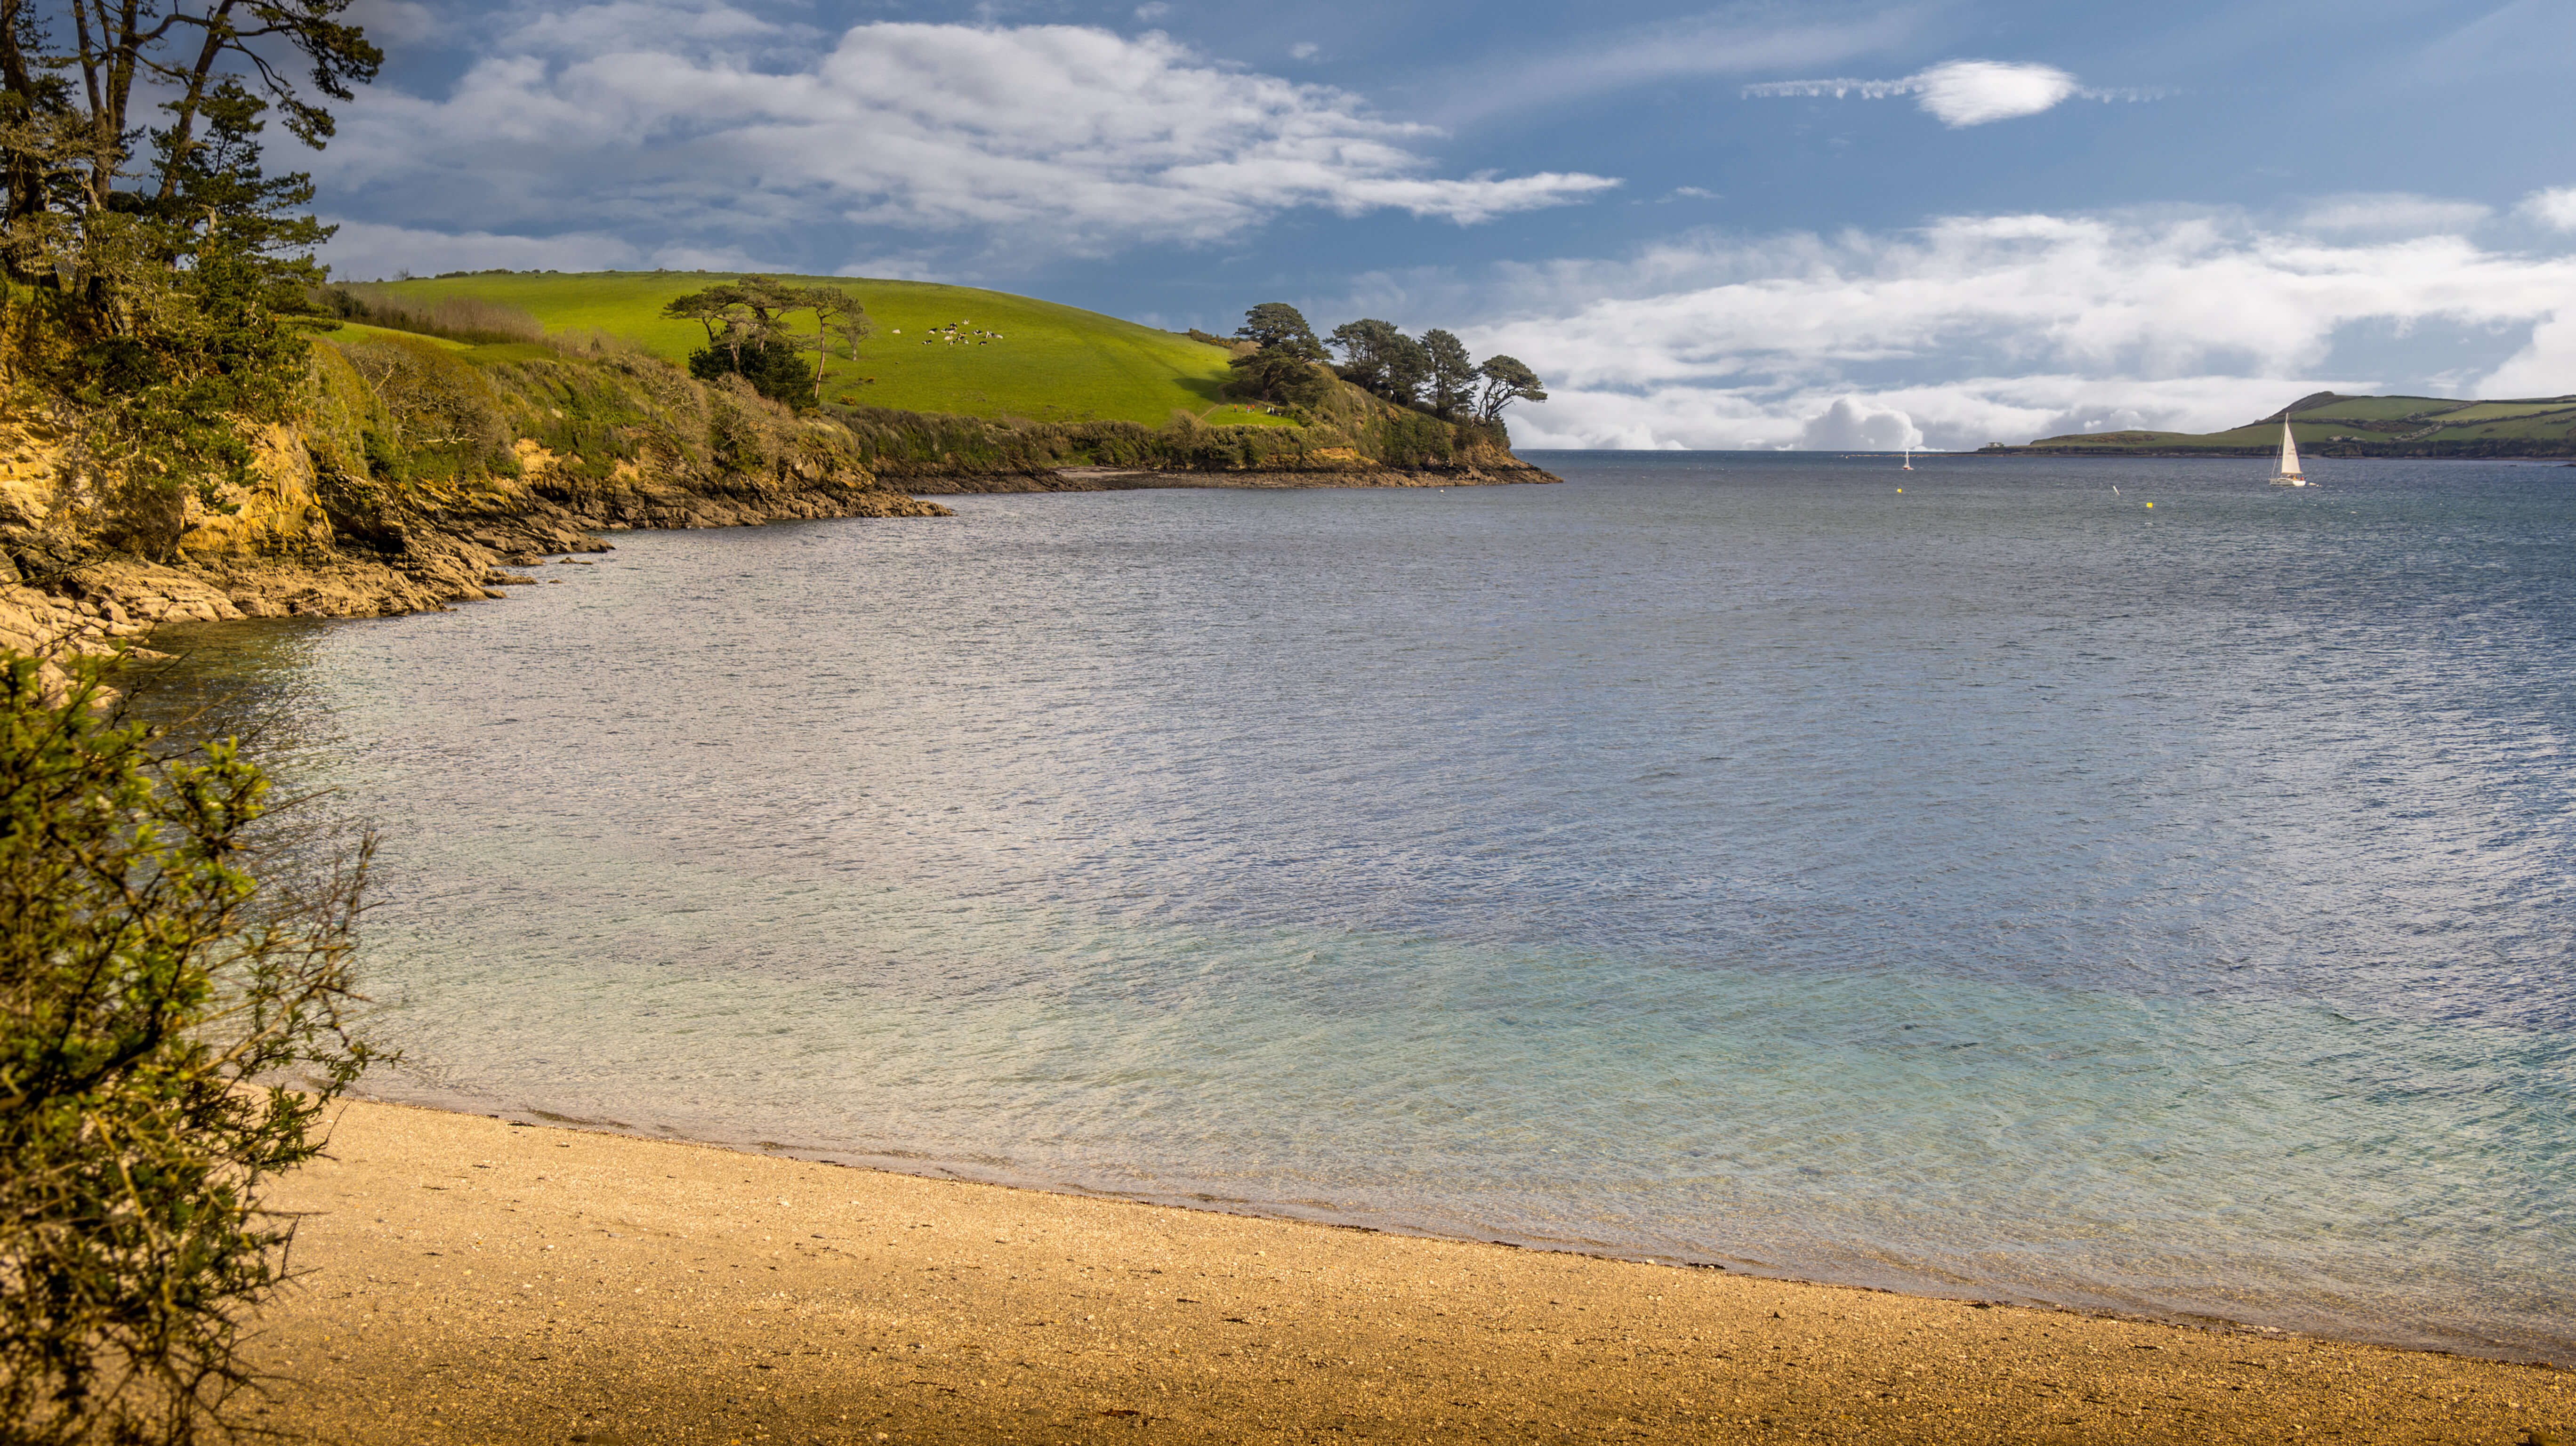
column 2000, row 888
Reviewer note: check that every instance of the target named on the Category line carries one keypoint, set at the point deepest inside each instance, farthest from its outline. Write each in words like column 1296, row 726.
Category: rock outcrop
column 332, row 522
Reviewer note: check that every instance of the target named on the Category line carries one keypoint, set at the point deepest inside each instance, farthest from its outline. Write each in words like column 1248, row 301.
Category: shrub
column 168, row 959
column 770, row 364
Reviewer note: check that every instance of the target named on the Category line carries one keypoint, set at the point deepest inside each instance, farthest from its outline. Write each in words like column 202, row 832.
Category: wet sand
column 470, row 1281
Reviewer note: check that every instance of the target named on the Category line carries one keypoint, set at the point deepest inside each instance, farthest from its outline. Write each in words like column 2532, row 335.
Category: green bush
column 770, row 364
column 174, row 1016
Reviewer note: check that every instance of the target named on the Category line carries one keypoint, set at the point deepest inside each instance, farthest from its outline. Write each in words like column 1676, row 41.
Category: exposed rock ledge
column 288, row 549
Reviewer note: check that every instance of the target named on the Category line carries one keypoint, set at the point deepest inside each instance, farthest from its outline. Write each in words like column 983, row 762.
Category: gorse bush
column 170, row 959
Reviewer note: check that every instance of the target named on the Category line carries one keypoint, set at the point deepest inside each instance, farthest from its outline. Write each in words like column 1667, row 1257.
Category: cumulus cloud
column 1996, row 328
column 1961, row 93
column 1849, row 426
column 707, row 125
column 2554, row 208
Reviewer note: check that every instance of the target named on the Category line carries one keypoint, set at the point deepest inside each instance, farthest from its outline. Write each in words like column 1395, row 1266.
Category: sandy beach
column 468, row 1280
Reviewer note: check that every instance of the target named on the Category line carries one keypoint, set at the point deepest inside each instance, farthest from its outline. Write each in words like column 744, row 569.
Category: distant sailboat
column 1909, row 459
column 2289, row 475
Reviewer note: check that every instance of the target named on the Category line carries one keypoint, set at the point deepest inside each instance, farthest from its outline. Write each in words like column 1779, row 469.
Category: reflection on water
column 1997, row 887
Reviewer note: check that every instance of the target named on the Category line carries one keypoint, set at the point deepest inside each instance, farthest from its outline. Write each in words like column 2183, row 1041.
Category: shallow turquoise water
column 2001, row 888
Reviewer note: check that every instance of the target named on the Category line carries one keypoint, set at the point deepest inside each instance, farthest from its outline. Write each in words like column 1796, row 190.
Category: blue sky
column 1743, row 226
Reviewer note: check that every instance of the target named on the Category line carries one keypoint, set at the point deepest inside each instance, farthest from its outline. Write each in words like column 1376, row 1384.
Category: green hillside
column 1036, row 359
column 2329, row 425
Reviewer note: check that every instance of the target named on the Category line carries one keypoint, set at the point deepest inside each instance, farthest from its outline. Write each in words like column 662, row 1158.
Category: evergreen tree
column 1452, row 380
column 1275, row 325
column 1506, row 381
column 160, row 265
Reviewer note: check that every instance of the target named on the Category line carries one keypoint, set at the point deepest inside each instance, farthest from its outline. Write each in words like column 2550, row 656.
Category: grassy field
column 1018, row 357
column 2545, row 424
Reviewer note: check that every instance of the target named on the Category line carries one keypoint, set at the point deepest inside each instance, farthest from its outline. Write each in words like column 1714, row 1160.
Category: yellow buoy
column 2151, row 504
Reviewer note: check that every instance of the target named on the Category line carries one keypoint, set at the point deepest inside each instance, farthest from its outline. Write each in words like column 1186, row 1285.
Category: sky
column 1822, row 225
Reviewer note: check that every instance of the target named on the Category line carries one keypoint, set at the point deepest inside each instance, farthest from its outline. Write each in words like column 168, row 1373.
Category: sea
column 2111, row 884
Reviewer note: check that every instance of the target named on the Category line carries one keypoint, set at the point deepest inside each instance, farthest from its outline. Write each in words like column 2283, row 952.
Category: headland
column 2329, row 424
column 416, row 465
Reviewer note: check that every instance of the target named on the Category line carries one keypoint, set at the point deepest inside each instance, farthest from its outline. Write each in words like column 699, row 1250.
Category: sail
column 2289, row 452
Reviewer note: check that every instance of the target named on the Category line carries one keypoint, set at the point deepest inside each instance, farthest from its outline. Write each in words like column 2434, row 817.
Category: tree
column 70, row 150
column 838, row 317
column 1280, row 375
column 1408, row 366
column 1452, row 376
column 1506, row 381
column 166, row 965
column 1276, row 324
column 1366, row 346
column 748, row 335
column 773, row 365
column 162, row 265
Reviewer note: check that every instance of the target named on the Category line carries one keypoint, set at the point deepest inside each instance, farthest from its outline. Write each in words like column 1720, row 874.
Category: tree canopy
column 1452, row 378
column 1506, row 381
column 748, row 334
column 1433, row 373
column 1275, row 325
column 157, row 265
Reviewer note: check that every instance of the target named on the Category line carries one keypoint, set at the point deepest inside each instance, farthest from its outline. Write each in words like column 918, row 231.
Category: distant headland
column 2329, row 424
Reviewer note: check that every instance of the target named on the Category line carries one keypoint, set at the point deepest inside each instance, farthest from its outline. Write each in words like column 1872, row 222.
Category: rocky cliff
column 407, row 479
column 411, row 474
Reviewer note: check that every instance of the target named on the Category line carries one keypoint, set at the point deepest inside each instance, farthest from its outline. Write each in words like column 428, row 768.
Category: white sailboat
column 2289, row 474
column 1909, row 459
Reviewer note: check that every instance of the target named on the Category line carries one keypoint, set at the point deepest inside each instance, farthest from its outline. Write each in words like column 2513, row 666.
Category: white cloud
column 1847, row 426
column 2002, row 328
column 1961, row 93
column 2392, row 213
column 1304, row 50
column 395, row 22
column 2554, row 208
column 707, row 126
column 1152, row 10
column 1974, row 92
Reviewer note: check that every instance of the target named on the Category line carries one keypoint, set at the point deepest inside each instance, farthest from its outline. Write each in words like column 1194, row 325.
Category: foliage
column 1275, row 325
column 769, row 363
column 1279, row 374
column 748, row 334
column 434, row 415
column 158, row 266
column 170, row 960
column 1452, row 377
column 1506, row 381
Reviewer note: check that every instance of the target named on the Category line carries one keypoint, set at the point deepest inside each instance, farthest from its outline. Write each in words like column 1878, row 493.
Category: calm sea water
column 2002, row 887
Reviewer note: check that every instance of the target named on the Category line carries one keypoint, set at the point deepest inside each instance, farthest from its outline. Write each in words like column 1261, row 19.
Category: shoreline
column 1370, row 1220
column 467, row 1279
